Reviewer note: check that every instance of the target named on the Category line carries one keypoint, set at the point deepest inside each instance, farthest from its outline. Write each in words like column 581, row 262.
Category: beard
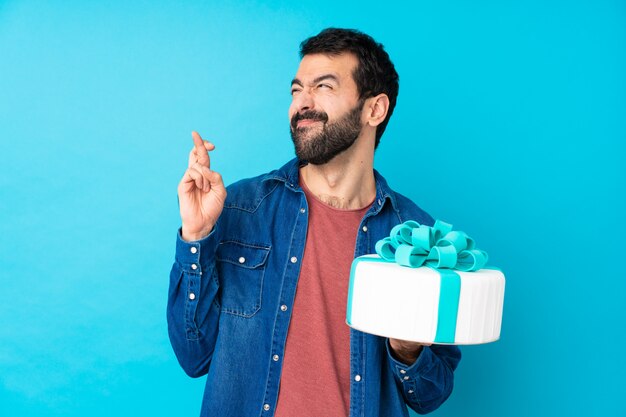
column 318, row 148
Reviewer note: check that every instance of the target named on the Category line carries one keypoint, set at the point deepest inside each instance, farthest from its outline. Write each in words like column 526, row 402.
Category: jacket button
column 294, row 259
column 365, row 228
column 194, row 266
column 266, row 407
column 283, row 308
column 357, row 378
column 242, row 260
column 192, row 296
column 193, row 249
column 302, row 210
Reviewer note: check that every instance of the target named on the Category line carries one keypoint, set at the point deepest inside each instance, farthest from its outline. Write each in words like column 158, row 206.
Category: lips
column 306, row 122
column 307, row 118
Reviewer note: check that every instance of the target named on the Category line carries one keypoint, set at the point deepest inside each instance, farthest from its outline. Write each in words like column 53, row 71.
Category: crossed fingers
column 198, row 170
column 199, row 153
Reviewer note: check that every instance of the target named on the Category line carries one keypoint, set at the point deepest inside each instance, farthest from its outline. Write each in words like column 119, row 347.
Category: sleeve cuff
column 191, row 255
column 407, row 374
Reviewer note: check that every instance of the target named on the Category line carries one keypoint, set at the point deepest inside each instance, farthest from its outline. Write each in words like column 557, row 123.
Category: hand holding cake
column 406, row 351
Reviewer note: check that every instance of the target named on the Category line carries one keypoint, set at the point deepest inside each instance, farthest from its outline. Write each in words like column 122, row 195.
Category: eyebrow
column 317, row 80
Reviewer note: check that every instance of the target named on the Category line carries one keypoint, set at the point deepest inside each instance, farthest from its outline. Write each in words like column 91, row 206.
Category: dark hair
column 373, row 75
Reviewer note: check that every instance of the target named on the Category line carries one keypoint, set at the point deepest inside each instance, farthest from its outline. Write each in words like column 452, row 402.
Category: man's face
column 325, row 110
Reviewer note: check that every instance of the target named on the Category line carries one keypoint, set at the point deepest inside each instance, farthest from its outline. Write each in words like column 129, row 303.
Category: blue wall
column 510, row 124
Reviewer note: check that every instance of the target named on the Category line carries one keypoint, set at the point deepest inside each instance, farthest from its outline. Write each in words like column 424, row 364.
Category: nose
column 303, row 101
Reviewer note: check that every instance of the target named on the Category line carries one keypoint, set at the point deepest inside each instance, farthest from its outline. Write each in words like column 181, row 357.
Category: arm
column 192, row 315
column 427, row 381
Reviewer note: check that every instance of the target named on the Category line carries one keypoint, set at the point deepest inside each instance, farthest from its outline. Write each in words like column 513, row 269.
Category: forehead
column 314, row 65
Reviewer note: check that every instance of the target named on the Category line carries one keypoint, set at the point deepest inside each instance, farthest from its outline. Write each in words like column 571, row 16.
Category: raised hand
column 201, row 192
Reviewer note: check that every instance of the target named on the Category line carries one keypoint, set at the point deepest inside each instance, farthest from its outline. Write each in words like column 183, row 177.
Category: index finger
column 201, row 151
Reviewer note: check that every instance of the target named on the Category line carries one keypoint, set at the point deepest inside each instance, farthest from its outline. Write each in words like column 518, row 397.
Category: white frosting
column 399, row 302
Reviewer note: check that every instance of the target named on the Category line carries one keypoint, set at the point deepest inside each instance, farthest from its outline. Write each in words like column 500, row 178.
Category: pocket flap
column 242, row 254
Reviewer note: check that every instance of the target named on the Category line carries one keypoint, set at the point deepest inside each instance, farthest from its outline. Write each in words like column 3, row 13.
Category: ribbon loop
column 414, row 245
column 386, row 249
column 407, row 255
column 422, row 238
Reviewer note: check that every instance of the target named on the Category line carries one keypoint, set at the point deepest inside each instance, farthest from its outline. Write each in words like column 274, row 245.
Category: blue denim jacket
column 231, row 295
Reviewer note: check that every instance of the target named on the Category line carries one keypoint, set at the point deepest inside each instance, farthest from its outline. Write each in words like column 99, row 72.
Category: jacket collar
column 290, row 173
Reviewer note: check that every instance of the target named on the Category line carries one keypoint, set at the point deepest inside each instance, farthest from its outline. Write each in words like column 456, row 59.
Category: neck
column 345, row 182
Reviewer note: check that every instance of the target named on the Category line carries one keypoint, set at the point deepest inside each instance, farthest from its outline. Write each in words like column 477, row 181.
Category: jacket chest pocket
column 241, row 267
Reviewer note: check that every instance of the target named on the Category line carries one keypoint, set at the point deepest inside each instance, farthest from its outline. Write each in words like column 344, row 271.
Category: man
column 258, row 291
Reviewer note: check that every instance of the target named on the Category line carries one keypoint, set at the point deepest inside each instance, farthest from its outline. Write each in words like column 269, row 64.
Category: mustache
column 308, row 115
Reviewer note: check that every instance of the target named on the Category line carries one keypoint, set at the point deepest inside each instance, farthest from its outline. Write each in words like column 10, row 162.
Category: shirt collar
column 290, row 172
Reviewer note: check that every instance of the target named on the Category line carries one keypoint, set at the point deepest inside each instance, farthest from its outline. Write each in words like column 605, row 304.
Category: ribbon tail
column 449, row 295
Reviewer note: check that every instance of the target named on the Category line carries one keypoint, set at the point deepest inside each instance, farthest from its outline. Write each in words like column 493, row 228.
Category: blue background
column 510, row 124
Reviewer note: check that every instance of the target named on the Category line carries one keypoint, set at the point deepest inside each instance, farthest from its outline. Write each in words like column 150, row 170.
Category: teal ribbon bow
column 414, row 245
column 438, row 247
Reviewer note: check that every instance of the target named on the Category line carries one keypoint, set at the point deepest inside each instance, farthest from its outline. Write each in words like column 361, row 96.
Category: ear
column 376, row 109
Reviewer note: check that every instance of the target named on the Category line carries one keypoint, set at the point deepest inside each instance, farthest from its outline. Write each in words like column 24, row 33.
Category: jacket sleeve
column 428, row 382
column 192, row 313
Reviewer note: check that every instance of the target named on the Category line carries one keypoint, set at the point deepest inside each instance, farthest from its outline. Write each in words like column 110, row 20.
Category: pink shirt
column 315, row 379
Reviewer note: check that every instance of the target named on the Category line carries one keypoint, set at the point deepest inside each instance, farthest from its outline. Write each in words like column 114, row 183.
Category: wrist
column 191, row 236
column 405, row 354
column 407, row 358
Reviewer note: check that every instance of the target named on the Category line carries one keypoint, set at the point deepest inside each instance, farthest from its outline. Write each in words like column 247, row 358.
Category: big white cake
column 395, row 301
column 427, row 284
